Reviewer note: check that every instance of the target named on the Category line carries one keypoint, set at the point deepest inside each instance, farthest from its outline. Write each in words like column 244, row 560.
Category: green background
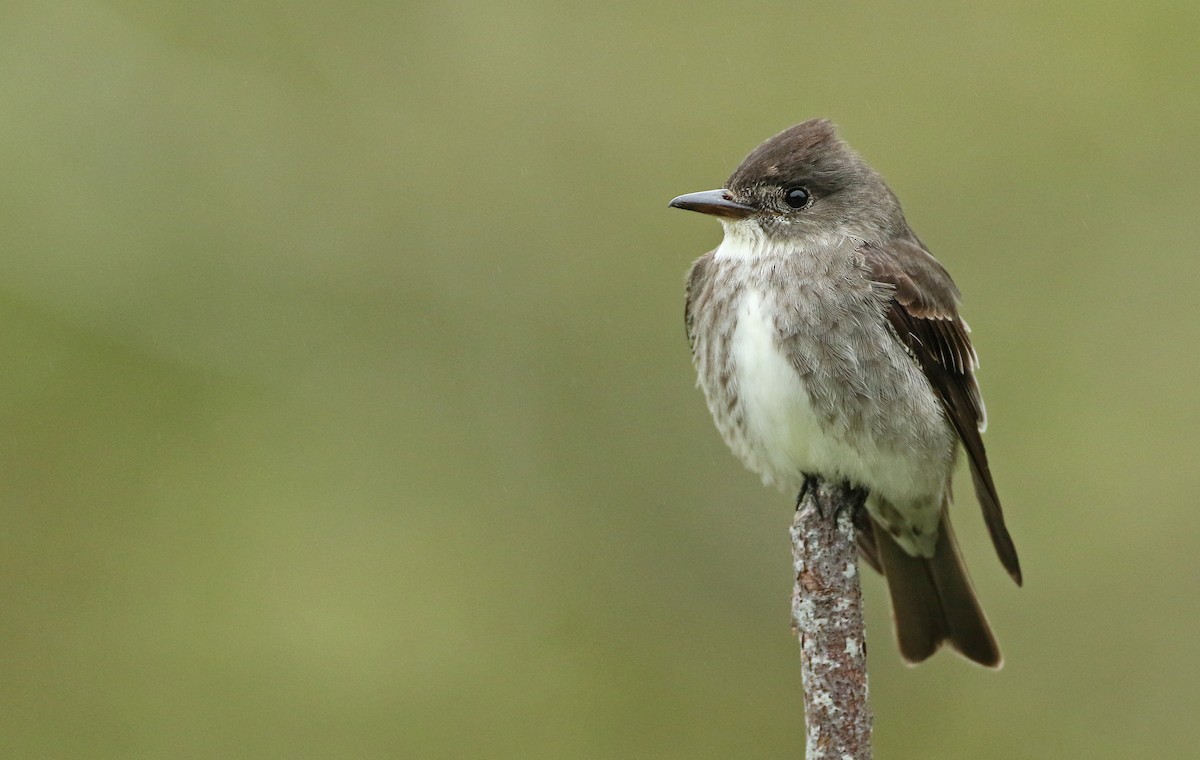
column 347, row 411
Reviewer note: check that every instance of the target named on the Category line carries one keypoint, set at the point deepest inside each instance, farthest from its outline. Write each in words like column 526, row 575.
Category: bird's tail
column 933, row 600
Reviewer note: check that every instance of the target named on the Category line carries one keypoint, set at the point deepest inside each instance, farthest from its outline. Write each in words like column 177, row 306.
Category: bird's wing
column 923, row 310
column 695, row 285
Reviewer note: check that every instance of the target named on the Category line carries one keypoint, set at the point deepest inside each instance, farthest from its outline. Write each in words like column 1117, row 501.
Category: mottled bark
column 827, row 616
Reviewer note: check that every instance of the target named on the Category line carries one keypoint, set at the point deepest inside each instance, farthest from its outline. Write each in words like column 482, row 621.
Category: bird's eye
column 796, row 197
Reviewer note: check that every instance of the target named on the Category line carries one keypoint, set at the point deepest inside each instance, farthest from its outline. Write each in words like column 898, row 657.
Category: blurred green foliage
column 347, row 411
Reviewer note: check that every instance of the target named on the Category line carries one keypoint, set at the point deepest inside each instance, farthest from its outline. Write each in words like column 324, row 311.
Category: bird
column 828, row 343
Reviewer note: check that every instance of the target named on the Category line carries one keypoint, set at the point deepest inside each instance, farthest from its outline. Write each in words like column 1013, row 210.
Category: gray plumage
column 827, row 342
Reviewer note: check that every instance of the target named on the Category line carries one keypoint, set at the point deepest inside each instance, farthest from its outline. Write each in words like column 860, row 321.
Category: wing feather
column 695, row 281
column 924, row 313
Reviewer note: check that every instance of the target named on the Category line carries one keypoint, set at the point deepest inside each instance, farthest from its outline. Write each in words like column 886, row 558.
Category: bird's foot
column 855, row 501
column 810, row 484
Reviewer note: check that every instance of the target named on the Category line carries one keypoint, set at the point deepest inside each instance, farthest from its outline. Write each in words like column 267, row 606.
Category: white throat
column 746, row 239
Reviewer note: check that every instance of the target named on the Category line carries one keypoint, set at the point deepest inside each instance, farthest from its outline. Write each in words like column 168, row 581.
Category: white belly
column 784, row 437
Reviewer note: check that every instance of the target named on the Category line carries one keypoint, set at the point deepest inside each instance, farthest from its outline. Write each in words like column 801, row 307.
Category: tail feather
column 865, row 533
column 933, row 601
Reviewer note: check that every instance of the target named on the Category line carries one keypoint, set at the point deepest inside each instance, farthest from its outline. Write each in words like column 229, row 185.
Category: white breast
column 784, row 437
column 783, row 433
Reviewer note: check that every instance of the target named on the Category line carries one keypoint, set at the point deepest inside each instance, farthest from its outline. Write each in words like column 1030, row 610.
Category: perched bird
column 828, row 343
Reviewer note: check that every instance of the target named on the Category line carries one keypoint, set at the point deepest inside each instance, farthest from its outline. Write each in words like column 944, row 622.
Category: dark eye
column 796, row 197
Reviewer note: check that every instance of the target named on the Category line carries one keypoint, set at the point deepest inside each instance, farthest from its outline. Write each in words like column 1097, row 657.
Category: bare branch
column 827, row 616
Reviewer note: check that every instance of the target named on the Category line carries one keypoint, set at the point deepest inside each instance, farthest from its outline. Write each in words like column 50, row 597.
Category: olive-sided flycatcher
column 828, row 343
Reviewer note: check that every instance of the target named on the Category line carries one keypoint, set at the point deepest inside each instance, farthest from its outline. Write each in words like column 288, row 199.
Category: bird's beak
column 715, row 202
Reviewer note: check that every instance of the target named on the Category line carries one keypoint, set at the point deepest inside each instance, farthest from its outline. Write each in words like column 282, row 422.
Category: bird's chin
column 748, row 227
column 744, row 239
